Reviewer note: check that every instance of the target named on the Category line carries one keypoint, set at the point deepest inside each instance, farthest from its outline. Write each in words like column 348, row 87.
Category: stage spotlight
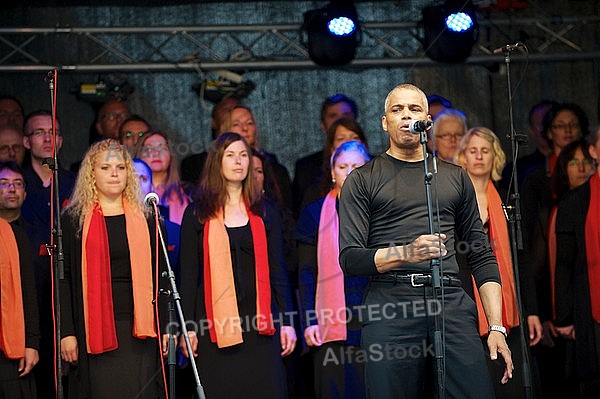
column 332, row 33
column 450, row 30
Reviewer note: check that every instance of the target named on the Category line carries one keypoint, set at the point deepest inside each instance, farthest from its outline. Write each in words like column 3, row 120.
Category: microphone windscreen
column 151, row 199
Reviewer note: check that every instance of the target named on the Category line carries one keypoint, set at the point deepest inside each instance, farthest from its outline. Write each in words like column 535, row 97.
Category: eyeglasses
column 576, row 163
column 17, row 184
column 132, row 134
column 114, row 115
column 449, row 136
column 564, row 126
column 7, row 149
column 157, row 150
column 42, row 132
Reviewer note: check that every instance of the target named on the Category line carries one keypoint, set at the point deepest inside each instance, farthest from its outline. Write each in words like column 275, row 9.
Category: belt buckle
column 412, row 279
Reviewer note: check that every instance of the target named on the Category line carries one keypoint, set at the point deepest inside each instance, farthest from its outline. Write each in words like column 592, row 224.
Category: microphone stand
column 175, row 303
column 55, row 248
column 516, row 232
column 436, row 270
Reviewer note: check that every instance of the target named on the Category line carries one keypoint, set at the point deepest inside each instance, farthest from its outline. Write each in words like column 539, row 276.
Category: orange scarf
column 101, row 335
column 592, row 245
column 552, row 256
column 219, row 286
column 500, row 244
column 12, row 317
column 330, row 302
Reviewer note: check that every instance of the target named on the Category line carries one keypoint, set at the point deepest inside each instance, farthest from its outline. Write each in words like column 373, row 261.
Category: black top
column 191, row 168
column 36, row 207
column 71, row 289
column 307, row 233
column 192, row 274
column 383, row 204
column 525, row 165
column 253, row 368
column 120, row 267
column 36, row 212
column 308, row 171
column 536, row 196
column 573, row 304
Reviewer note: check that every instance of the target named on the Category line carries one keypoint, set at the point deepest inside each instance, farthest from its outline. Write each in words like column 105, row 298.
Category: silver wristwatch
column 498, row 328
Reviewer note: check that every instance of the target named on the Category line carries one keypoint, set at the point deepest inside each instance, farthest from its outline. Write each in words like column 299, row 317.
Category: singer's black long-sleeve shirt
column 383, row 204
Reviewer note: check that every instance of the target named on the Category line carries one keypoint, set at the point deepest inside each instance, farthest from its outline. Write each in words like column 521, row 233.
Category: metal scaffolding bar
column 265, row 47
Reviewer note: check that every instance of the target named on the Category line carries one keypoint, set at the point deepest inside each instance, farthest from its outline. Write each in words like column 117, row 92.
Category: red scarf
column 12, row 317
column 500, row 244
column 219, row 286
column 592, row 245
column 552, row 256
column 330, row 302
column 552, row 163
column 101, row 334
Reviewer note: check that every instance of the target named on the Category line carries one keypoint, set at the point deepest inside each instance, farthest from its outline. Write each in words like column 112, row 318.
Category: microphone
column 418, row 127
column 507, row 48
column 49, row 78
column 151, row 199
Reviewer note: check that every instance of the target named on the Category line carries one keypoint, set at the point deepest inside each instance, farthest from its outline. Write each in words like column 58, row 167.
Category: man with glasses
column 11, row 144
column 12, row 192
column 17, row 359
column 36, row 211
column 449, row 127
column 109, row 119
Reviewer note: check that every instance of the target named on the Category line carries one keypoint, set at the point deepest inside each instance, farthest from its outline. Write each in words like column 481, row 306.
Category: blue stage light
column 341, row 26
column 333, row 33
column 450, row 30
column 459, row 22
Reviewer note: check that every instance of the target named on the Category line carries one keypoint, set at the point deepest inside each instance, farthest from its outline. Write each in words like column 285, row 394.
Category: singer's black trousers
column 397, row 337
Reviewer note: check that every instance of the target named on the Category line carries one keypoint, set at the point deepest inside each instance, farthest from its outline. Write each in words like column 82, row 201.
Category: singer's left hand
column 288, row 340
column 497, row 344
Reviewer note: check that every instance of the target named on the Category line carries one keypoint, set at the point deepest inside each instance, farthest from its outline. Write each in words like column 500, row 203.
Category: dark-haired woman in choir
column 578, row 274
column 234, row 279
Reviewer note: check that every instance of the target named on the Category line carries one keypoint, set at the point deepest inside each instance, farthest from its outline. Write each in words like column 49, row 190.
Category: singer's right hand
column 68, row 349
column 426, row 247
column 193, row 343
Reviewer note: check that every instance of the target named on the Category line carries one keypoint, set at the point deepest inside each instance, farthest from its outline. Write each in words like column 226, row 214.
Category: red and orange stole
column 12, row 317
column 551, row 234
column 592, row 245
column 101, row 334
column 219, row 286
column 500, row 244
column 330, row 301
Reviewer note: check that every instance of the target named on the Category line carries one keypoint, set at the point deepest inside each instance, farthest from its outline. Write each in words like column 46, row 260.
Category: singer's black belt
column 415, row 279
